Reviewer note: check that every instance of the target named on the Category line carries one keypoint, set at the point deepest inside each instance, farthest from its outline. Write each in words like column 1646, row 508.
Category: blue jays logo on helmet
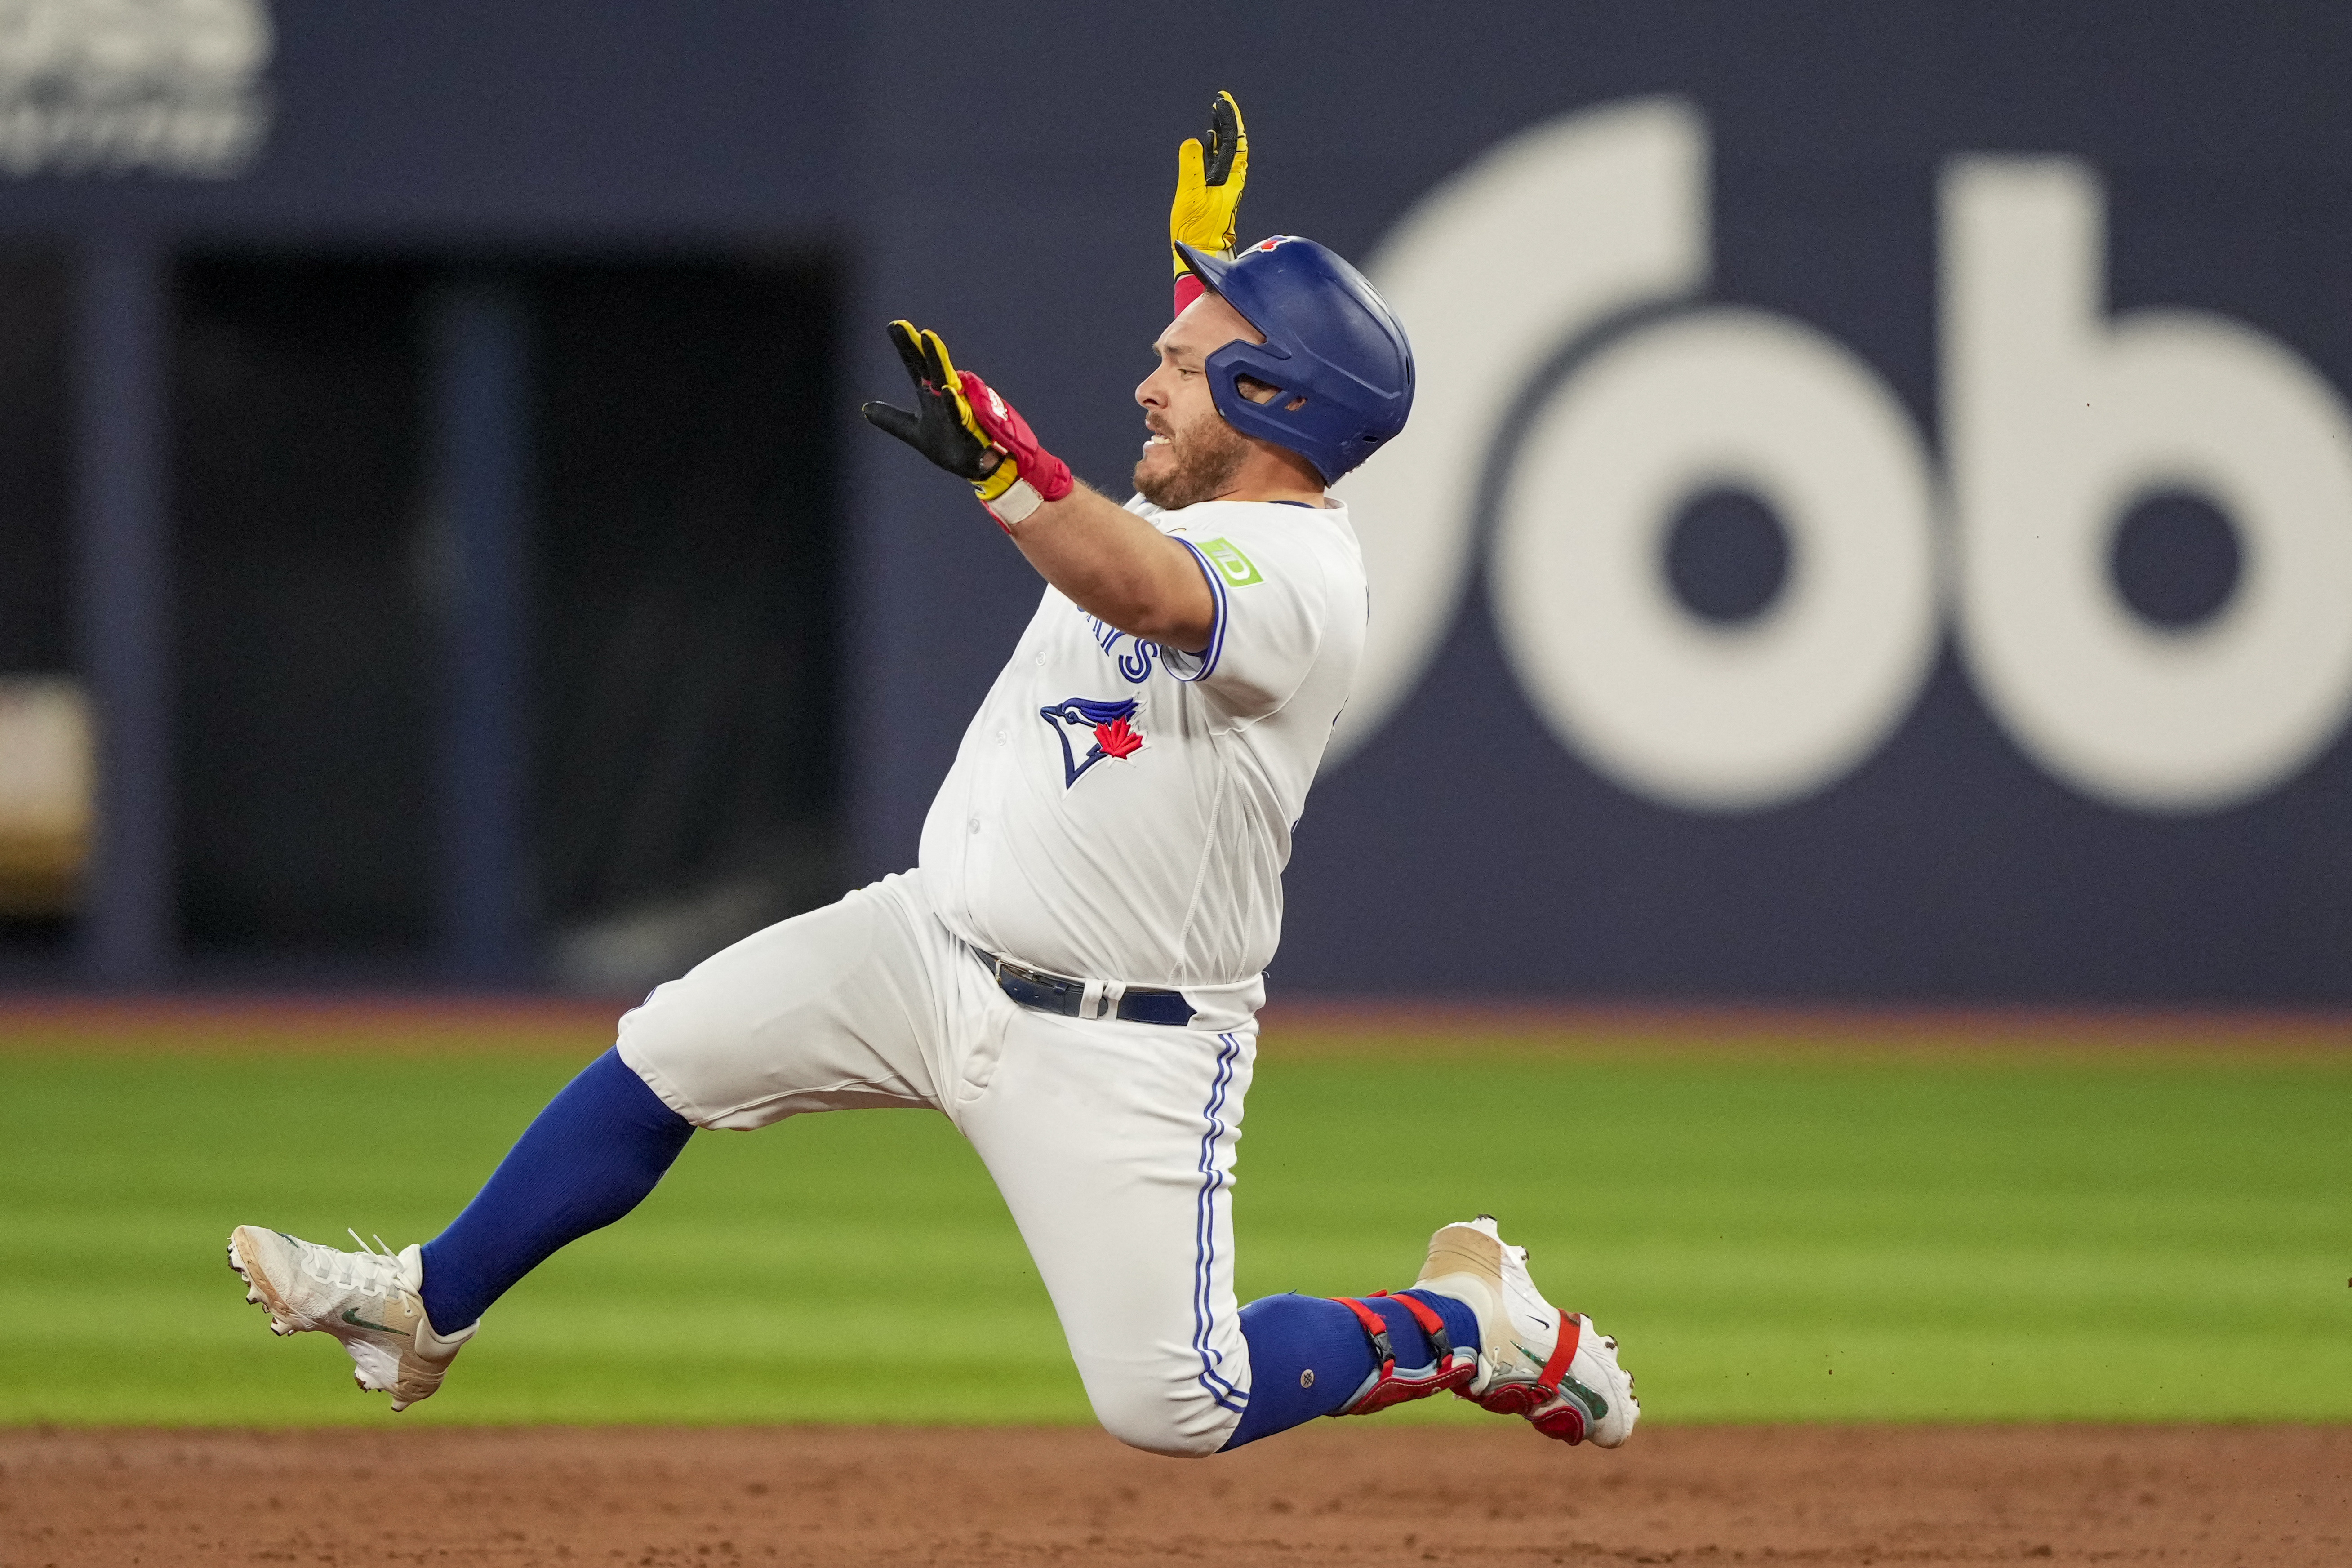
column 1335, row 353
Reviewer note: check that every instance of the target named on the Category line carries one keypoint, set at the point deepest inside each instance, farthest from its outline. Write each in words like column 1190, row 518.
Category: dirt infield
column 1337, row 1493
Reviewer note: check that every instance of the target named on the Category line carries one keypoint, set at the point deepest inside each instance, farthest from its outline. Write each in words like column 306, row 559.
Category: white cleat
column 369, row 1301
column 1534, row 1360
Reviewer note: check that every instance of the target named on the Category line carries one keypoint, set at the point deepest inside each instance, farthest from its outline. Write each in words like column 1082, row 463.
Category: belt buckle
column 1088, row 1000
column 1055, row 993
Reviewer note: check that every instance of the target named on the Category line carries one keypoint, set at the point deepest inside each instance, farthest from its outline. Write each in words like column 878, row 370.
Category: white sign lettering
column 173, row 86
column 2058, row 420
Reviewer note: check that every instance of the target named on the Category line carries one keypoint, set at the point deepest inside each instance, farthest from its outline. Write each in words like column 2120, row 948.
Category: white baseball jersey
column 1122, row 812
column 1116, row 813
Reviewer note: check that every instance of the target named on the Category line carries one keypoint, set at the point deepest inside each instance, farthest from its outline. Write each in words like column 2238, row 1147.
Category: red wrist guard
column 1029, row 475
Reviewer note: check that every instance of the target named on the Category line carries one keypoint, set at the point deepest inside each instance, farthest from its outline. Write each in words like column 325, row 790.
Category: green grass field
column 1827, row 1237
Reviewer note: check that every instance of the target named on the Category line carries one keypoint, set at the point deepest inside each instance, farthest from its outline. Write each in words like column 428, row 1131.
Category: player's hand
column 941, row 426
column 1209, row 182
column 960, row 423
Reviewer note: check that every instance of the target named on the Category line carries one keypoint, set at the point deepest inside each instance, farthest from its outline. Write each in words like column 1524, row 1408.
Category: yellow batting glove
column 1209, row 183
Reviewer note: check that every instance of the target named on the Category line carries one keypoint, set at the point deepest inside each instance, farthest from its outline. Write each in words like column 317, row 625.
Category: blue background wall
column 1462, row 847
column 1003, row 176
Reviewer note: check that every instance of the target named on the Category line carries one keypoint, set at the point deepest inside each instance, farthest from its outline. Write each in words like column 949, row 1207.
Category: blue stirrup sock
column 1310, row 1354
column 588, row 1158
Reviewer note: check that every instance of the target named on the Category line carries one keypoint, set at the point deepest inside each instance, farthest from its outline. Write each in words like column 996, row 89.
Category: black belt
column 1059, row 994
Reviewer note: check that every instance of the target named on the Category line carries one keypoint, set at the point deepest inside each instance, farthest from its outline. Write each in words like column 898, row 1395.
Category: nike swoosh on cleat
column 353, row 1318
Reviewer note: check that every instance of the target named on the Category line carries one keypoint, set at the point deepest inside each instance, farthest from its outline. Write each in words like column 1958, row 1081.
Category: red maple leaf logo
column 1116, row 740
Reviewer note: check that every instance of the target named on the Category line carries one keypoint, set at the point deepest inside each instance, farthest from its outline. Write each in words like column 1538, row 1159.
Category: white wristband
column 1016, row 503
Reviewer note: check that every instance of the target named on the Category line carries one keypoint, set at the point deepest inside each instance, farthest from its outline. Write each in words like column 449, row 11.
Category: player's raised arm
column 1115, row 566
column 1209, row 182
column 1108, row 562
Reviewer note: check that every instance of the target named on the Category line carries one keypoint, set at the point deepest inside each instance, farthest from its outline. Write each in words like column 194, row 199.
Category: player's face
column 1190, row 453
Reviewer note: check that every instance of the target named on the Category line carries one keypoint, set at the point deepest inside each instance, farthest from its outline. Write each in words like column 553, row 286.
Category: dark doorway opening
column 36, row 583
column 678, row 596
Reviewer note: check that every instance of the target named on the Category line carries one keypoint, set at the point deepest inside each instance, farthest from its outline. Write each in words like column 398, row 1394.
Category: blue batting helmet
column 1333, row 349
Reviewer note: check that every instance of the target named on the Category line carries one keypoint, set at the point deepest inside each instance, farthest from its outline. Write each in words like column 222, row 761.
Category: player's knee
column 1175, row 1412
column 658, row 1035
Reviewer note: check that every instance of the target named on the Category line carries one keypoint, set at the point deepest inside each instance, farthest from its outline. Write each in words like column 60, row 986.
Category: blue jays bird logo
column 1104, row 726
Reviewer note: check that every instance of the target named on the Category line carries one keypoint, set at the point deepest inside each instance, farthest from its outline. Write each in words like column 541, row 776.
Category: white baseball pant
column 1112, row 1142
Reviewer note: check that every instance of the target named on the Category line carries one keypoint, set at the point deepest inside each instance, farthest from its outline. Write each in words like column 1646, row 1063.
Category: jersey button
column 975, row 824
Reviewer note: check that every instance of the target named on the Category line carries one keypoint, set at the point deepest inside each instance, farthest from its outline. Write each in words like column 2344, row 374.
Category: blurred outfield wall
column 1878, row 519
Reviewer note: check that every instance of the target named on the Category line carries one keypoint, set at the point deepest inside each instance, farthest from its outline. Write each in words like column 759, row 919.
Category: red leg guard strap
column 1377, row 1328
column 1447, row 1370
column 1441, row 1343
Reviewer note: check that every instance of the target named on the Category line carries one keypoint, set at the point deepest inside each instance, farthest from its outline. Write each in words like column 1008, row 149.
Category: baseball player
column 1073, row 970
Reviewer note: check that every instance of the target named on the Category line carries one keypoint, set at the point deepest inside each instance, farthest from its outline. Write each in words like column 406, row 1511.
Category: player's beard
column 1207, row 455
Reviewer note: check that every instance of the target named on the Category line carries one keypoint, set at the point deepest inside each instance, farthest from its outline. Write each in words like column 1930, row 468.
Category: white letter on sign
column 1496, row 271
column 1672, row 707
column 2057, row 421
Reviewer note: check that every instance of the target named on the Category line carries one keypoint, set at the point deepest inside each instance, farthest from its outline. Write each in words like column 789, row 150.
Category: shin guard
column 1448, row 1369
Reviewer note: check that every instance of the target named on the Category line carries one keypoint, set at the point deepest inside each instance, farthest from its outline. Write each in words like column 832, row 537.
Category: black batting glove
column 941, row 425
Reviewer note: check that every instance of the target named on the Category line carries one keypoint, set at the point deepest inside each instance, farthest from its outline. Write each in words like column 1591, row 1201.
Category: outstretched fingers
column 943, row 371
column 1227, row 144
column 908, row 341
column 902, row 423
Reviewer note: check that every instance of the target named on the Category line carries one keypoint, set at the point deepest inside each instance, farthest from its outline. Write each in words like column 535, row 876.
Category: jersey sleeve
column 1270, row 585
